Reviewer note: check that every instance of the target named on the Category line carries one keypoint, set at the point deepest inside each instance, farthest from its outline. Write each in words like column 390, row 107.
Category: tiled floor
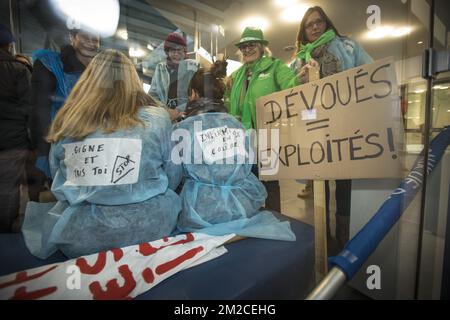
column 301, row 209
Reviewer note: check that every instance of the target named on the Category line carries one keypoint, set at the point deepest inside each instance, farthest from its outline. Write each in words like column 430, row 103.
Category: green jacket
column 269, row 75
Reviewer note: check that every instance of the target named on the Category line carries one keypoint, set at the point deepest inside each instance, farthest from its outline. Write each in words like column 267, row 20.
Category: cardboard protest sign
column 345, row 126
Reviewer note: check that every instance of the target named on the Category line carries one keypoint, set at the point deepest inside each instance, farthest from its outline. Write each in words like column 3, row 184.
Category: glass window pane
column 383, row 28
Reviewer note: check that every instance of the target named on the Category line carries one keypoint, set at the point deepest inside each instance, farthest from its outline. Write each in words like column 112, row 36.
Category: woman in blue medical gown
column 109, row 156
column 220, row 195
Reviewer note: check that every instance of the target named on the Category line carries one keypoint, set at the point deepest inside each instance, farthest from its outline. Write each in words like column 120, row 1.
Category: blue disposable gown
column 220, row 198
column 91, row 217
column 161, row 82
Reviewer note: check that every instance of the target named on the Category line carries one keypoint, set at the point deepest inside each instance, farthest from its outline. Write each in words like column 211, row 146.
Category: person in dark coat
column 15, row 93
column 54, row 76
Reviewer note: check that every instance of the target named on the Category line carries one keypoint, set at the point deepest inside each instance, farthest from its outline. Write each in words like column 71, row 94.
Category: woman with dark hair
column 320, row 45
column 206, row 90
column 220, row 194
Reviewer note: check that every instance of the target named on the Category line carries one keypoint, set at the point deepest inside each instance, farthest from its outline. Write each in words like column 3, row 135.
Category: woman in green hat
column 260, row 75
column 320, row 45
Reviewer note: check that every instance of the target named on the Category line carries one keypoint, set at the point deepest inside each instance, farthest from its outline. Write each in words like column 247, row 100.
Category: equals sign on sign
column 317, row 125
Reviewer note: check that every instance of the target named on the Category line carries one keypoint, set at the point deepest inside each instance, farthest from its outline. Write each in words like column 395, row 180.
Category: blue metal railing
column 359, row 248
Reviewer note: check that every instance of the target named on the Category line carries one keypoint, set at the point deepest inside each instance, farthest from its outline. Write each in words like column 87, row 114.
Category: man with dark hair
column 54, row 76
column 15, row 93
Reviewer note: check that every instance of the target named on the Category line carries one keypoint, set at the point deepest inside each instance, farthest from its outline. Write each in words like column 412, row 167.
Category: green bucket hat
column 252, row 34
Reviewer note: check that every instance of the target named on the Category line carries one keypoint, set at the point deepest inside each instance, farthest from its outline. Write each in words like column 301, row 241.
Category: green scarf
column 240, row 105
column 306, row 49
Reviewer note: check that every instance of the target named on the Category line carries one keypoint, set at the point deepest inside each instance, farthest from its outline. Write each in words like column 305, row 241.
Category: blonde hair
column 264, row 50
column 107, row 97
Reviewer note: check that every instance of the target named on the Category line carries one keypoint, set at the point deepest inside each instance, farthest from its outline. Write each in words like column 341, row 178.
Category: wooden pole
column 320, row 231
column 320, row 218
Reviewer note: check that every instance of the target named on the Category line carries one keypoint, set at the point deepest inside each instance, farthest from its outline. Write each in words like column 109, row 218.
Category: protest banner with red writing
column 117, row 274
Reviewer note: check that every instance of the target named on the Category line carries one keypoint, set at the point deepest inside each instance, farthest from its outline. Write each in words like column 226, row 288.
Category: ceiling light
column 98, row 17
column 255, row 22
column 122, row 34
column 295, row 13
column 137, row 52
column 221, row 30
column 380, row 32
column 285, row 3
column 388, row 32
column 401, row 32
column 438, row 87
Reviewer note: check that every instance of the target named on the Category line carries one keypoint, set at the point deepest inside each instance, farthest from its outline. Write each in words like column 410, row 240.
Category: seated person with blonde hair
column 110, row 148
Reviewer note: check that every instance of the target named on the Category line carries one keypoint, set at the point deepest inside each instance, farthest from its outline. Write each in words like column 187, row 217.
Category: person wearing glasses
column 260, row 75
column 320, row 45
column 171, row 79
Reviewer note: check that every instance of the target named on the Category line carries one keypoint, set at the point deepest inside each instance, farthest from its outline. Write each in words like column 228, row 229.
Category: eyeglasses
column 177, row 50
column 318, row 22
column 248, row 45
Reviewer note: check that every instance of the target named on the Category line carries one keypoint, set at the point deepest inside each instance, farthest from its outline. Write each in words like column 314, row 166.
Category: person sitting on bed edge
column 110, row 148
column 220, row 194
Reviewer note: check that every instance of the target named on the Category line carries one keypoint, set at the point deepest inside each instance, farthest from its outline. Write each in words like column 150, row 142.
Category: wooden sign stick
column 320, row 230
column 320, row 219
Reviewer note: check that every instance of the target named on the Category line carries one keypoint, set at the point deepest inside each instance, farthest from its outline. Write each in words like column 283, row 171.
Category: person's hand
column 311, row 64
column 32, row 156
column 174, row 114
column 228, row 83
column 24, row 59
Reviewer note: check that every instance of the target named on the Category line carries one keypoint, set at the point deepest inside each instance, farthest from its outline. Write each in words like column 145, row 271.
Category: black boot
column 342, row 230
column 332, row 246
column 273, row 196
